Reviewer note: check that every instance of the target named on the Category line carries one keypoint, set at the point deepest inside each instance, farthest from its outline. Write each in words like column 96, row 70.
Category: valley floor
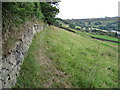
column 58, row 58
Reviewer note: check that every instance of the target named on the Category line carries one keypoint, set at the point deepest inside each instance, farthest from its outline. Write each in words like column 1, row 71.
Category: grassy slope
column 58, row 58
column 105, row 43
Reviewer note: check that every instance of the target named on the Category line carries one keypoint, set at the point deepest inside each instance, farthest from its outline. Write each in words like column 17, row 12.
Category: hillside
column 108, row 23
column 58, row 58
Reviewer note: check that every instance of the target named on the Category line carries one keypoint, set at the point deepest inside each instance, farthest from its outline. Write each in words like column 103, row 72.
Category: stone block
column 0, row 84
column 5, row 73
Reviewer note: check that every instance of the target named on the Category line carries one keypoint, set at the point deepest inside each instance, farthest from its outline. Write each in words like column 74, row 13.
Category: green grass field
column 58, row 58
column 103, row 37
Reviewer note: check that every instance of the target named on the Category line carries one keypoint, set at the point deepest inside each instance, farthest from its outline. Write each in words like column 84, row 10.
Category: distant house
column 104, row 30
column 118, row 33
column 113, row 31
column 83, row 28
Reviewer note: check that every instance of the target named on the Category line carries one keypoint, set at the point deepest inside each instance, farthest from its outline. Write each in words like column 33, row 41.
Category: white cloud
column 88, row 8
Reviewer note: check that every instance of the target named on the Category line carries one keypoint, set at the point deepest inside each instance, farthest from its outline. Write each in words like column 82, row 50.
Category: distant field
column 103, row 37
column 58, row 58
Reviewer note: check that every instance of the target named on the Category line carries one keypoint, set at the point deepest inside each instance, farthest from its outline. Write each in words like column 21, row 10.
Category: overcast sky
column 79, row 9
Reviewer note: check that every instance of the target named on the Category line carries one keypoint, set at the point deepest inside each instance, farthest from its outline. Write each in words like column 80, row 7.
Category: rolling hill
column 108, row 23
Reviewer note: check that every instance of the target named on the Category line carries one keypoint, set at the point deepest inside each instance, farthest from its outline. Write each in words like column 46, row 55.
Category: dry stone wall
column 11, row 63
column 0, row 44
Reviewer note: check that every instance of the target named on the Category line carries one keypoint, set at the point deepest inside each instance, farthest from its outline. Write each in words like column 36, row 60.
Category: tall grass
column 85, row 62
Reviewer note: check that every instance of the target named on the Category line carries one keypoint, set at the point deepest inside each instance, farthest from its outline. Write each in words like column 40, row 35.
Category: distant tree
column 65, row 22
column 59, row 19
column 78, row 28
column 118, row 27
column 56, row 23
column 89, row 23
column 103, row 27
column 72, row 26
column 98, row 23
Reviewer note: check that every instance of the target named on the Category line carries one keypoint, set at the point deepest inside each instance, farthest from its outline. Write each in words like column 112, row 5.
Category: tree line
column 15, row 13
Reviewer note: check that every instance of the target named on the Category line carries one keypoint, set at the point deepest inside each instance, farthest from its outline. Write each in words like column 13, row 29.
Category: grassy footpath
column 58, row 58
